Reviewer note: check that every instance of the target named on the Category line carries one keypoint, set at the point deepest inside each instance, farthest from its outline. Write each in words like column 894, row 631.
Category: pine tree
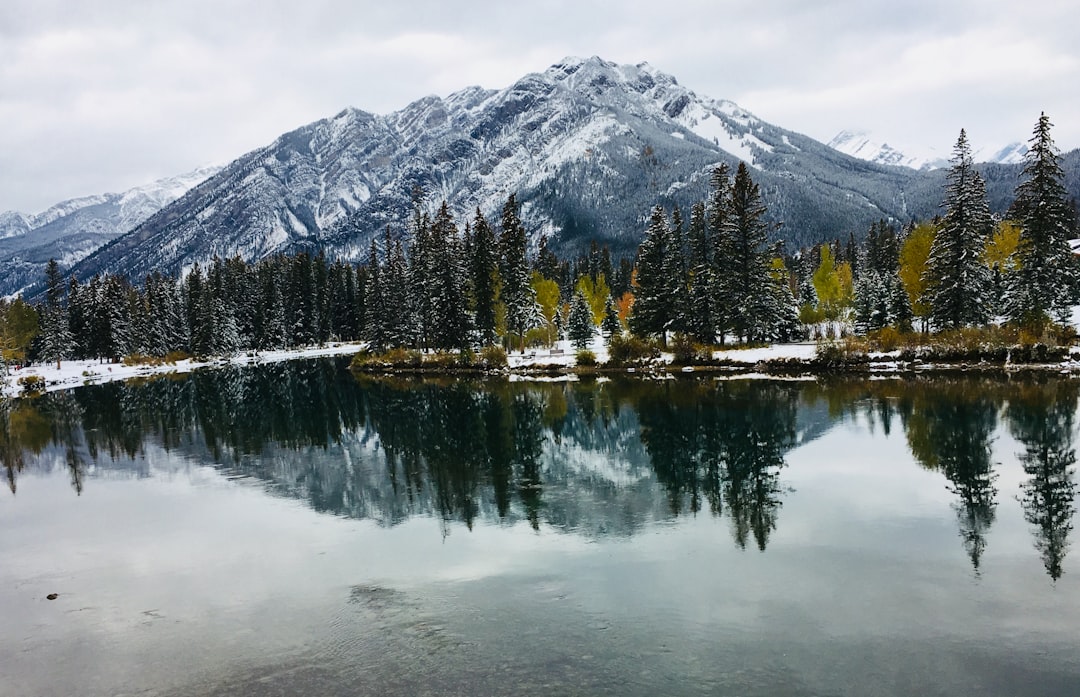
column 402, row 323
column 1039, row 289
column 651, row 312
column 375, row 310
column 724, row 284
column 451, row 323
column 700, row 323
column 581, row 327
column 57, row 342
column 484, row 275
column 958, row 282
column 611, row 326
column 752, row 315
column 517, row 290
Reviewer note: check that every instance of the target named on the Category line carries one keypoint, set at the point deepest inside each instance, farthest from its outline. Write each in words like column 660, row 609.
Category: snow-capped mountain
column 587, row 145
column 866, row 146
column 72, row 230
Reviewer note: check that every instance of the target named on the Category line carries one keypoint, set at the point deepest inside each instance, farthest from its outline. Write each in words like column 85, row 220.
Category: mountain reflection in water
column 596, row 458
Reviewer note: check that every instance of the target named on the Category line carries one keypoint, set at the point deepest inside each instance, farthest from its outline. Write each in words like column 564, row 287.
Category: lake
column 290, row 529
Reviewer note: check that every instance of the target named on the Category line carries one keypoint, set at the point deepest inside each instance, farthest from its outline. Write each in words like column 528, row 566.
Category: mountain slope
column 864, row 146
column 72, row 230
column 588, row 146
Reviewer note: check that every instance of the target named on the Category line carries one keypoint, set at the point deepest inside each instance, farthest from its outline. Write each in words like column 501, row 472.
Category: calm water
column 290, row 530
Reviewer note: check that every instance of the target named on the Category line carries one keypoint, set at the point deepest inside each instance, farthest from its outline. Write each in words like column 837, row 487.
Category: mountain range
column 587, row 145
column 865, row 146
column 71, row 230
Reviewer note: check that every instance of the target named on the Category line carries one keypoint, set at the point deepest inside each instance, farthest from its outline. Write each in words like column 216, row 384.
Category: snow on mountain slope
column 588, row 147
column 71, row 230
column 865, row 146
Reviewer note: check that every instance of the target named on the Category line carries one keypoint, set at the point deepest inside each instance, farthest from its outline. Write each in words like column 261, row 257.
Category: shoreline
column 791, row 361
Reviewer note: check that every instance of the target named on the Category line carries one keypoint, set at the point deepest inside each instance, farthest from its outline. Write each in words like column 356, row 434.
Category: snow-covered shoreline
column 521, row 365
column 78, row 373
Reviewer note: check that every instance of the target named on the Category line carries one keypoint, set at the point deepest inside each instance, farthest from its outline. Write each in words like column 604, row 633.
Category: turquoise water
column 291, row 530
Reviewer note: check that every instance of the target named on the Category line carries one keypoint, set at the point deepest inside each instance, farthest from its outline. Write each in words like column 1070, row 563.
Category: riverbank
column 78, row 373
column 560, row 360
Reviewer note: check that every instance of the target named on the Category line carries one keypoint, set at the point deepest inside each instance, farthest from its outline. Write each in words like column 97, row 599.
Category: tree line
column 965, row 268
column 719, row 276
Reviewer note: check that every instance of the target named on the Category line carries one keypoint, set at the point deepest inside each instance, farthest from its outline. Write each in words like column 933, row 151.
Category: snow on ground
column 76, row 373
column 753, row 356
column 560, row 355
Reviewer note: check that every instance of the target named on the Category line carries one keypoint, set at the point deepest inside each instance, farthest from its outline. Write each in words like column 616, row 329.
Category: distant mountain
column 865, row 146
column 72, row 230
column 587, row 145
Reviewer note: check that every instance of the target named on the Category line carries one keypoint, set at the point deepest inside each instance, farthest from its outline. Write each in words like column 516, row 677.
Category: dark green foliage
column 1041, row 289
column 517, row 291
column 484, row 276
column 958, row 282
column 581, row 327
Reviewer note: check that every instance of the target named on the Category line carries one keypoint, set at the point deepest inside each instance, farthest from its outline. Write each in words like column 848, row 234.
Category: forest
column 712, row 278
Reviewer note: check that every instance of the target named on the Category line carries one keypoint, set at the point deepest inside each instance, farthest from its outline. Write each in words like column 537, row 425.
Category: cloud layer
column 102, row 95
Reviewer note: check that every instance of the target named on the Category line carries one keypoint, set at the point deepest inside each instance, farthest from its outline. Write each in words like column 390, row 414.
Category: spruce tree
column 484, row 275
column 57, row 343
column 958, row 282
column 1039, row 290
column 581, row 327
column 517, row 291
column 700, row 323
column 611, row 326
column 724, row 284
column 752, row 315
column 675, row 277
column 651, row 311
column 375, row 309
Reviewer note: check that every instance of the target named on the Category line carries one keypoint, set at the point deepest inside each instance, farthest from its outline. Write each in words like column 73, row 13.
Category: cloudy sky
column 102, row 95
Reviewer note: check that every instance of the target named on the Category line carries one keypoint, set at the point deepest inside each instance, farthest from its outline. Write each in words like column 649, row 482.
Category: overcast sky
column 103, row 95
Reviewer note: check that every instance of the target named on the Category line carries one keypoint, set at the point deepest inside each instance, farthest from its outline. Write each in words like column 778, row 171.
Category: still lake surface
column 290, row 529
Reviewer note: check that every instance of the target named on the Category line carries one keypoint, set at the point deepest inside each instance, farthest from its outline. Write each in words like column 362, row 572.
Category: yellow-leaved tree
column 914, row 255
column 833, row 285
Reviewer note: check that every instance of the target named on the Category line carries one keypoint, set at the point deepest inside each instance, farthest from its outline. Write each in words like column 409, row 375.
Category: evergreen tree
column 78, row 318
column 517, row 291
column 958, row 282
column 651, row 311
column 484, row 275
column 56, row 339
column 700, row 323
column 1039, row 289
column 581, row 322
column 611, row 326
column 724, row 283
column 402, row 323
column 375, row 314
column 752, row 315
column 674, row 274
column 449, row 304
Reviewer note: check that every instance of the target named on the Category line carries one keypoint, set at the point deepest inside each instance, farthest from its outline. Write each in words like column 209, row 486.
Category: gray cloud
column 102, row 95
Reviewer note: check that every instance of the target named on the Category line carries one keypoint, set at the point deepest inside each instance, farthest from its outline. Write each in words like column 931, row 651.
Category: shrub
column 493, row 357
column 32, row 384
column 141, row 359
column 631, row 350
column 685, row 351
column 835, row 354
column 585, row 358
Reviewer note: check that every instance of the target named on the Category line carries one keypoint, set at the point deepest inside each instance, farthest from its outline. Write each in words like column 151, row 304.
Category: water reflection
column 1043, row 421
column 595, row 458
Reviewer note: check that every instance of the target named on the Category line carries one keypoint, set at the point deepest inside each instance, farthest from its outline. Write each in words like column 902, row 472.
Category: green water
column 292, row 530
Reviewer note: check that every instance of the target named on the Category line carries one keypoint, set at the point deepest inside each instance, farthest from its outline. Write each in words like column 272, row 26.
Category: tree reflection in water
column 594, row 457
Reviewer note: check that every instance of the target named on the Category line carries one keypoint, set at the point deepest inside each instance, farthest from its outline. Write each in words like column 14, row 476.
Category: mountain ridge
column 75, row 228
column 588, row 147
